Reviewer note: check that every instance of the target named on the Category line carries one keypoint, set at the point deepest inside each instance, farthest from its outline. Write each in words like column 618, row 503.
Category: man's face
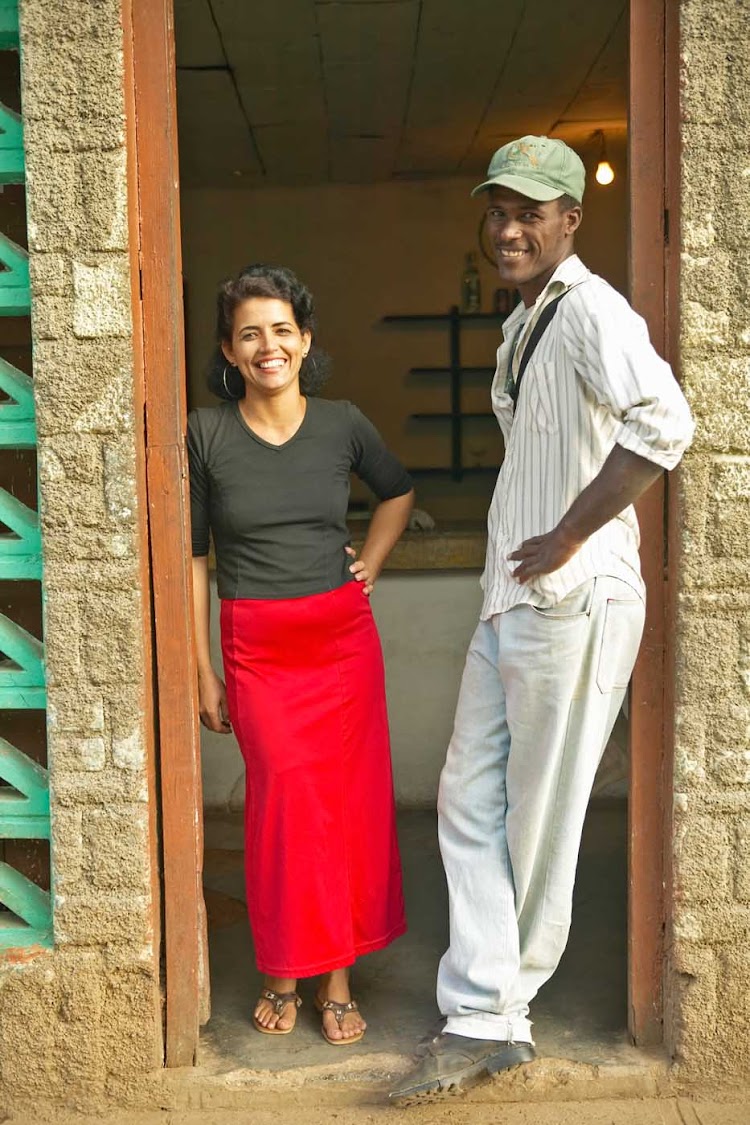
column 529, row 238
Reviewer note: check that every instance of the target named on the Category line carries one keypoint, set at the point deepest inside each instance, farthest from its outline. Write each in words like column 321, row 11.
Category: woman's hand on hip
column 362, row 571
column 212, row 702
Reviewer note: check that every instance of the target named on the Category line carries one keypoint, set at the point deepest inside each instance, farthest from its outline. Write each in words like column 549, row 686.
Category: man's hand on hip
column 543, row 553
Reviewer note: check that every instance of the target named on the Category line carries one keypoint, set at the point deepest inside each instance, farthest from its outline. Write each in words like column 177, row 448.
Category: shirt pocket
column 540, row 413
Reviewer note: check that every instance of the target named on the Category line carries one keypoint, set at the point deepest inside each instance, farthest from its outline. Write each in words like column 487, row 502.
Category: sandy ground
column 453, row 1112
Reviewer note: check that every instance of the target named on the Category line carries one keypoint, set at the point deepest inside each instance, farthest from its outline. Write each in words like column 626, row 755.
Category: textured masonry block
column 116, row 847
column 109, row 576
column 63, row 621
column 73, row 753
column 86, row 387
column 101, row 297
column 113, row 645
column 51, row 209
column 120, row 480
column 104, row 789
column 103, row 918
column 706, row 326
column 83, row 77
column 719, row 393
column 72, row 459
column 51, row 275
column 78, row 709
column 741, row 872
column 75, row 136
column 112, row 551
column 721, row 70
column 695, row 1000
column 701, row 857
column 729, row 515
column 708, row 271
column 102, row 197
column 70, row 505
column 52, row 317
column 728, row 738
column 67, row 847
column 734, row 994
column 131, row 1030
column 707, row 654
column 714, row 923
column 50, row 1027
column 126, row 722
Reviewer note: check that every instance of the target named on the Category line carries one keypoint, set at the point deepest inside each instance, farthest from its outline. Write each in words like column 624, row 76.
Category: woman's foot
column 276, row 1010
column 340, row 1024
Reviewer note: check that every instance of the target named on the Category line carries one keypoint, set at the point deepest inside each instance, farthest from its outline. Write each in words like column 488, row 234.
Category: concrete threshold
column 365, row 1080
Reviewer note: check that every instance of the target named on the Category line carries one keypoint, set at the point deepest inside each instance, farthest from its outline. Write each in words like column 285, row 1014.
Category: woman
column 305, row 695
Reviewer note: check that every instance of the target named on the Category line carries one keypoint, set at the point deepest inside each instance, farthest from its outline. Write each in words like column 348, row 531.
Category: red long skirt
column 306, row 694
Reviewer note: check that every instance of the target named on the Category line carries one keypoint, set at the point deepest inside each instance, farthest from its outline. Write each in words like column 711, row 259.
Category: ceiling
column 275, row 92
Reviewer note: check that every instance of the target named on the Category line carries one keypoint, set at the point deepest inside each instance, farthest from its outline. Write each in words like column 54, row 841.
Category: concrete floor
column 580, row 1015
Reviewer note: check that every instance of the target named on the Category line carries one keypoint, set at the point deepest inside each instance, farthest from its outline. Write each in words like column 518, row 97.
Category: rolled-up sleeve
column 616, row 359
column 199, row 487
column 373, row 462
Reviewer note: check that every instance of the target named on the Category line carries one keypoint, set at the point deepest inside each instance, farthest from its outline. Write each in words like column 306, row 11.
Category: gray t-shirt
column 277, row 513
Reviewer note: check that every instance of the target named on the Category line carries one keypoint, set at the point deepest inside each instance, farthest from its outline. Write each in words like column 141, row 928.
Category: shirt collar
column 571, row 271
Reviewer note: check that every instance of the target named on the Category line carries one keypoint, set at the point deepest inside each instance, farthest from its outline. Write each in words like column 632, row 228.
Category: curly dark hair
column 259, row 280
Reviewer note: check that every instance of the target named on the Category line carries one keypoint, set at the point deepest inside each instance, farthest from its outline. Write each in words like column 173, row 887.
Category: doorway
column 380, row 170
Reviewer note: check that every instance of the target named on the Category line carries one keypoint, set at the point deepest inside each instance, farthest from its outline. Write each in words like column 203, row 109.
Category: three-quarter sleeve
column 199, row 517
column 614, row 356
column 373, row 462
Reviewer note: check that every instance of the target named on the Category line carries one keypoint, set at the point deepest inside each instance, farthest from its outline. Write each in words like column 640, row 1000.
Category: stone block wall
column 78, row 1019
column 709, row 969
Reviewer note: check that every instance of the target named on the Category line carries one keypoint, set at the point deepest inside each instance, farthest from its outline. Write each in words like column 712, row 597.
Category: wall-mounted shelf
column 455, row 320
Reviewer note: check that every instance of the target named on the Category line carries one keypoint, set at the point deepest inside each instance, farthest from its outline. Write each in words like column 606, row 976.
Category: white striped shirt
column 594, row 381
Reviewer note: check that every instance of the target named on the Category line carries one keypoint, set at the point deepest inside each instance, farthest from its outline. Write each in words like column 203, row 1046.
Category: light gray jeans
column 539, row 696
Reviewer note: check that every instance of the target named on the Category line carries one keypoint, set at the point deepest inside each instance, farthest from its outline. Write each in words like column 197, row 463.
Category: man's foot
column 276, row 1010
column 342, row 1021
column 453, row 1063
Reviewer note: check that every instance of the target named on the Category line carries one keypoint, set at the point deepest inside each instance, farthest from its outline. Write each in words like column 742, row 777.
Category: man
column 590, row 416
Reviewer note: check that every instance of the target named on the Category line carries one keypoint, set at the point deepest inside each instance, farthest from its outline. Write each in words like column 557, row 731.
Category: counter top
column 453, row 546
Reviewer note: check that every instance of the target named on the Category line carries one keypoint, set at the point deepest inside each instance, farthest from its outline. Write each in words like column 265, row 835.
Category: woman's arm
column 212, row 696
column 388, row 522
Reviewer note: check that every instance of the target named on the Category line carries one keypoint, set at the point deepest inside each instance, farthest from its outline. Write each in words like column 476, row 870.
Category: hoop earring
column 224, row 380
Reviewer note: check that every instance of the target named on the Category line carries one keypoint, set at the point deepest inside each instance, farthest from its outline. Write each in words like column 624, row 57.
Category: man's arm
column 623, row 477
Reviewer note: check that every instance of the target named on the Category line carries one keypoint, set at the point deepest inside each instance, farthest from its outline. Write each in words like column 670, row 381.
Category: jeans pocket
column 575, row 604
column 620, row 641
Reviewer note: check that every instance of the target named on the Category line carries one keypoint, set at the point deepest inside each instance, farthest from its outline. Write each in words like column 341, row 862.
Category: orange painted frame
column 653, row 292
column 149, row 29
column 654, row 281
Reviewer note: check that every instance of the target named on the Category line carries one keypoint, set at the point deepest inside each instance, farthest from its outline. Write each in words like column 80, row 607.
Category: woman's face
column 266, row 345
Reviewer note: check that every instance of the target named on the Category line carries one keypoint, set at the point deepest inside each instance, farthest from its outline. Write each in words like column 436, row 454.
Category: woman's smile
column 267, row 345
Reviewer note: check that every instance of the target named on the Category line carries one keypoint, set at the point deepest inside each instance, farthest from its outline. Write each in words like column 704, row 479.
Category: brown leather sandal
column 339, row 1011
column 278, row 1001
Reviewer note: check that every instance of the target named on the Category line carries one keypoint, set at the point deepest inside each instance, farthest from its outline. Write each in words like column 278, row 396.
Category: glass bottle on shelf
column 471, row 287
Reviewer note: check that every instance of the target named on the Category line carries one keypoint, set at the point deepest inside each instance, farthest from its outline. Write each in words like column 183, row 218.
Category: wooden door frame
column 653, row 165
column 155, row 240
column 156, row 257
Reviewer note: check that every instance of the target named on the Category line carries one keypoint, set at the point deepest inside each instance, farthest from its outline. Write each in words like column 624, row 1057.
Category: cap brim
column 532, row 189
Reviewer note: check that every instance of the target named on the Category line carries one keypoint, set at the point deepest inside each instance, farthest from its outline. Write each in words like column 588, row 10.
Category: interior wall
column 367, row 250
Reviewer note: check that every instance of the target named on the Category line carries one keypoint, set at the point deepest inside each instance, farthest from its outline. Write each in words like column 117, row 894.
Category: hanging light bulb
column 605, row 173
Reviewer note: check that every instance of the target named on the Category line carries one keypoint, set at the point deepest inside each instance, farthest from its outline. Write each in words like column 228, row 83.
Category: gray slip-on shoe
column 453, row 1063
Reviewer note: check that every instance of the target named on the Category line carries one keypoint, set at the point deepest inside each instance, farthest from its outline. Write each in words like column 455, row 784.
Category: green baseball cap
column 539, row 167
